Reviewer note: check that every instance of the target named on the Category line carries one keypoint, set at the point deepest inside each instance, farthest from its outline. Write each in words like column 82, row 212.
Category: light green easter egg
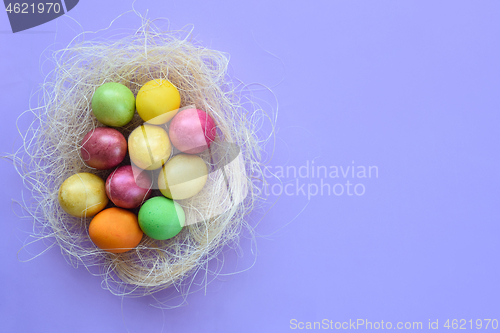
column 113, row 104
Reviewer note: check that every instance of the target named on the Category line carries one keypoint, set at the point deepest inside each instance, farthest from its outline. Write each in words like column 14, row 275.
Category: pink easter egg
column 192, row 131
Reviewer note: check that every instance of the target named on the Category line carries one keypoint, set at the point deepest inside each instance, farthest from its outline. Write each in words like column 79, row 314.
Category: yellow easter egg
column 83, row 194
column 157, row 101
column 149, row 147
column 183, row 176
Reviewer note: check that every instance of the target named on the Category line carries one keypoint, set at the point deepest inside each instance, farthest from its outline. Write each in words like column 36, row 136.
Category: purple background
column 411, row 87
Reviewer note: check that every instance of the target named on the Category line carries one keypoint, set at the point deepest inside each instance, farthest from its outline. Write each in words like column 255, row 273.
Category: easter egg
column 103, row 148
column 113, row 104
column 182, row 177
column 83, row 195
column 161, row 218
column 115, row 230
column 158, row 101
column 192, row 131
column 149, row 147
column 128, row 189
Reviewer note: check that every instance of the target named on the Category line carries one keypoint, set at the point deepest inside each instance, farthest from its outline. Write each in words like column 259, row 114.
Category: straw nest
column 51, row 153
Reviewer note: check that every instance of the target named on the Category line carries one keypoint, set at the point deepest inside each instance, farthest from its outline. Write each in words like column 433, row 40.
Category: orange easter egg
column 115, row 230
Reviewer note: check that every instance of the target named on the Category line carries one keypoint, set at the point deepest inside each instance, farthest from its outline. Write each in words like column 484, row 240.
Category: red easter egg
column 128, row 188
column 103, row 148
column 192, row 131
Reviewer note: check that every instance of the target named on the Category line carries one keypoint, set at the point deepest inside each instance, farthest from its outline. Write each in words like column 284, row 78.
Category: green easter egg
column 161, row 218
column 113, row 104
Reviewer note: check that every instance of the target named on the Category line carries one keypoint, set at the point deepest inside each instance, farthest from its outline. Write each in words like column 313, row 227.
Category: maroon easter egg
column 192, row 131
column 128, row 188
column 103, row 148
